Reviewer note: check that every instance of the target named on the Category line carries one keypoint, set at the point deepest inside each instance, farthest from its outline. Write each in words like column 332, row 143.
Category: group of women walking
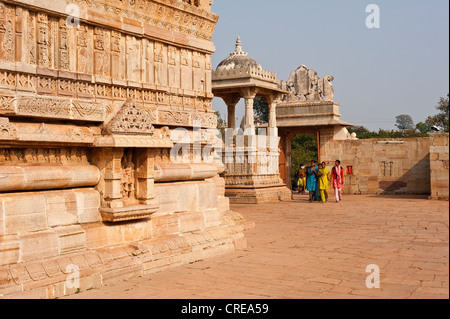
column 317, row 180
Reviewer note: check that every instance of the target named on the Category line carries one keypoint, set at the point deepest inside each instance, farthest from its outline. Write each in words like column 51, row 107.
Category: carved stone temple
column 88, row 105
column 256, row 178
column 301, row 105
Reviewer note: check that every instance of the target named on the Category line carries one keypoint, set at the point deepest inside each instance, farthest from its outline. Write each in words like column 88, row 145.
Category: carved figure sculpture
column 128, row 177
column 307, row 86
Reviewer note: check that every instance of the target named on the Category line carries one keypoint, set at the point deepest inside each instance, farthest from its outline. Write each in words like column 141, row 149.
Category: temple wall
column 88, row 186
column 381, row 166
column 439, row 156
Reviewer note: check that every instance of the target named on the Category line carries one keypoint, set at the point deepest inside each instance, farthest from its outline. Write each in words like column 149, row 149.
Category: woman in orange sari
column 337, row 180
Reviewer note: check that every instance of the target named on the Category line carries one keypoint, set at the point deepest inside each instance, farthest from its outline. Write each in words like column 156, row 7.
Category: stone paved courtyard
column 308, row 250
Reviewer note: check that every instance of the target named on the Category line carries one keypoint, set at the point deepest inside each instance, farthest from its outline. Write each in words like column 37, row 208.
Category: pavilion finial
column 238, row 50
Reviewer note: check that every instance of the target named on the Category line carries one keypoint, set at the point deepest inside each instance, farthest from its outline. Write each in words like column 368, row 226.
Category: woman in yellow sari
column 324, row 181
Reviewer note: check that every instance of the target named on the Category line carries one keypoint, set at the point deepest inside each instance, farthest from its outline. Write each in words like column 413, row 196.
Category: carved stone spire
column 238, row 50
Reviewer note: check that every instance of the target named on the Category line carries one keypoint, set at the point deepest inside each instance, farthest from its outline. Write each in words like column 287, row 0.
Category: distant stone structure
column 252, row 174
column 308, row 108
column 88, row 105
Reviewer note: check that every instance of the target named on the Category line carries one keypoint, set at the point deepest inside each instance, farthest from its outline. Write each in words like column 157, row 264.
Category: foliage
column 304, row 150
column 441, row 120
column 261, row 110
column 363, row 133
column 423, row 127
column 405, row 122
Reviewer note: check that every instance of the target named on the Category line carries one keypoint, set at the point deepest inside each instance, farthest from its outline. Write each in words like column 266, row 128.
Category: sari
column 311, row 179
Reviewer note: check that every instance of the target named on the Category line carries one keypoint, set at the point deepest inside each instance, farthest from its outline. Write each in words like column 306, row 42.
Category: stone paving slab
column 302, row 250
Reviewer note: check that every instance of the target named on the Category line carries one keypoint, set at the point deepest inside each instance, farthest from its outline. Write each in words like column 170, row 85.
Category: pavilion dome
column 237, row 59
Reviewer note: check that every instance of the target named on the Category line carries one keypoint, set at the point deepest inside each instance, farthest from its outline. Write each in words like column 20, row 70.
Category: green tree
column 304, row 150
column 441, row 120
column 362, row 133
column 404, row 122
column 423, row 127
column 261, row 110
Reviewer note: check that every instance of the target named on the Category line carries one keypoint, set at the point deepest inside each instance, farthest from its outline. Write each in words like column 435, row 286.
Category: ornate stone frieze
column 174, row 117
column 132, row 141
column 182, row 118
column 16, row 156
column 53, row 107
column 45, row 133
column 178, row 16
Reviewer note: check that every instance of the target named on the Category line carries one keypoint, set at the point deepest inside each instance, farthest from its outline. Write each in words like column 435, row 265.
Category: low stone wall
column 382, row 166
column 439, row 158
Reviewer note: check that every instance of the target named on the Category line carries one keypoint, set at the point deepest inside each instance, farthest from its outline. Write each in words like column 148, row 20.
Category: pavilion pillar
column 249, row 120
column 273, row 114
column 231, row 103
column 272, row 101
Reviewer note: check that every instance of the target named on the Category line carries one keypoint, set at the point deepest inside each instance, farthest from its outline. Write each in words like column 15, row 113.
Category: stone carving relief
column 31, row 38
column 60, row 108
column 179, row 16
column 42, row 156
column 6, row 103
column 130, row 120
column 128, row 179
column 8, row 131
column 64, row 60
column 43, row 40
column 307, row 86
column 82, row 41
column 174, row 117
column 6, row 33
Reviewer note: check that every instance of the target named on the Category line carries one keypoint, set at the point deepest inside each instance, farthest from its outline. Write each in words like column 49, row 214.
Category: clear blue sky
column 401, row 68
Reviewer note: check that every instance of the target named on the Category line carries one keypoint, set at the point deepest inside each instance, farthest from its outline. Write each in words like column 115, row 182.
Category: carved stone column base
column 258, row 195
column 115, row 215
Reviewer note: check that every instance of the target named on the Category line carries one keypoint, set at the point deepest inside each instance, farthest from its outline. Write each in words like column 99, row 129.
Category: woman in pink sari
column 337, row 179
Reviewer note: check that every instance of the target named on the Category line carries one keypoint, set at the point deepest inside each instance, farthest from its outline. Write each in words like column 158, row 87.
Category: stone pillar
column 249, row 120
column 288, row 152
column 273, row 114
column 231, row 103
column 109, row 161
column 145, row 172
column 272, row 101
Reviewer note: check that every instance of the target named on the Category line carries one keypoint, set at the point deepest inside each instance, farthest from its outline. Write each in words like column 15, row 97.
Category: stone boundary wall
column 382, row 166
column 439, row 158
